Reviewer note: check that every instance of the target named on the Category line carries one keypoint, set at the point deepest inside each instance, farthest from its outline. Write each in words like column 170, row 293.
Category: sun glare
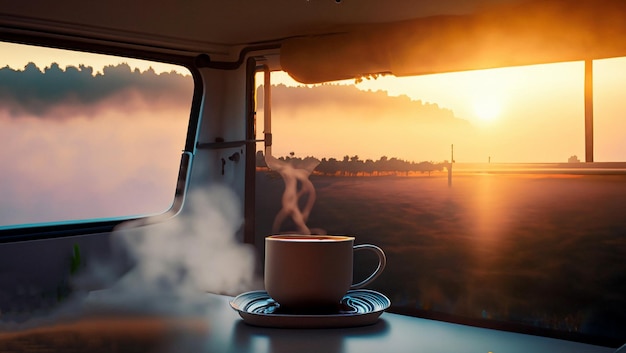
column 487, row 109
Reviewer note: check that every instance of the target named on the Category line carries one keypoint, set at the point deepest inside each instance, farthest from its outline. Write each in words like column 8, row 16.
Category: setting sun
column 487, row 109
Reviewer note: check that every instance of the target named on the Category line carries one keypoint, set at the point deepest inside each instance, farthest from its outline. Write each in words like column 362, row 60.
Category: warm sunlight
column 487, row 108
column 484, row 113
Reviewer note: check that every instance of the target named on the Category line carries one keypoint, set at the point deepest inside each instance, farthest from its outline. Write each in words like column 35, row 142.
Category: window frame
column 49, row 230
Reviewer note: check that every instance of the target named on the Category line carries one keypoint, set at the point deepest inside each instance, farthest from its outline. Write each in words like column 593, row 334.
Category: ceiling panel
column 226, row 22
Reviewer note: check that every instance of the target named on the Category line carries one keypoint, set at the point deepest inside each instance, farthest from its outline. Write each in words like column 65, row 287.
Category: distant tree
column 426, row 167
column 394, row 165
column 573, row 159
column 381, row 165
column 353, row 166
column 369, row 167
column 333, row 165
column 344, row 165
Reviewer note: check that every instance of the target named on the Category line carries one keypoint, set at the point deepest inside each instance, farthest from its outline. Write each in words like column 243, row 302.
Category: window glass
column 88, row 136
column 514, row 231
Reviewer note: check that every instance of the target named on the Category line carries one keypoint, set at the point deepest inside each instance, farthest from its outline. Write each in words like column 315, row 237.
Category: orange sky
column 522, row 114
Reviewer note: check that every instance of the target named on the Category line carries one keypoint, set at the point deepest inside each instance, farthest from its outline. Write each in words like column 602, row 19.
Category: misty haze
column 97, row 146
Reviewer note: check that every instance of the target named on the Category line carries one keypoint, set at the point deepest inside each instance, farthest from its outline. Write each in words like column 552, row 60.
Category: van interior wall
column 219, row 159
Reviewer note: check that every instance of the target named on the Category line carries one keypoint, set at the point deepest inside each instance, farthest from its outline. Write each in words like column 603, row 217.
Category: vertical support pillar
column 250, row 173
column 450, row 165
column 589, row 111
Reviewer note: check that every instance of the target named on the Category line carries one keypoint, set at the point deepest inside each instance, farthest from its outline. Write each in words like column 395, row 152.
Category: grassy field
column 541, row 249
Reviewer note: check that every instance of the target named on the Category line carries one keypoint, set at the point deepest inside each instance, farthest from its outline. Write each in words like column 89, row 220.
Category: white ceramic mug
column 313, row 270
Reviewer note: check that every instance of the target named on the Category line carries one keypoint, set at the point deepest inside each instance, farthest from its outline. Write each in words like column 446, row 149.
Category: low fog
column 107, row 145
column 174, row 263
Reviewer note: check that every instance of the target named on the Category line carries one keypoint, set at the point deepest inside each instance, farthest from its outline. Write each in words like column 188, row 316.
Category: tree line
column 40, row 92
column 354, row 166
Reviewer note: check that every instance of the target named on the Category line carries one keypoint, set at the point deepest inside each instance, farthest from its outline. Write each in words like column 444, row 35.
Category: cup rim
column 321, row 238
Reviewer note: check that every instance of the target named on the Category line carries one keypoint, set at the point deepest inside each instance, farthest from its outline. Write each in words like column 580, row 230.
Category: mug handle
column 382, row 261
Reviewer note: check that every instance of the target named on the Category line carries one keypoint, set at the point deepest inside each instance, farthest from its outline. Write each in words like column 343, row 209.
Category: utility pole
column 450, row 166
column 589, row 111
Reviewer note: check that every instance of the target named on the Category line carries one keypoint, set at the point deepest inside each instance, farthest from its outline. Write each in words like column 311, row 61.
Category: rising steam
column 164, row 268
column 180, row 260
column 292, row 174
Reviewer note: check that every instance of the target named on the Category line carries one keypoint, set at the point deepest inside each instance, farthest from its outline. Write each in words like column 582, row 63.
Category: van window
column 86, row 136
column 475, row 186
